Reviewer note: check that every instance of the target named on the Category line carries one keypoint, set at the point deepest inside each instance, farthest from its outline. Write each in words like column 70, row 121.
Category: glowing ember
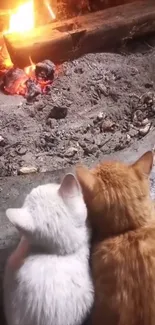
column 22, row 20
column 14, row 81
column 31, row 81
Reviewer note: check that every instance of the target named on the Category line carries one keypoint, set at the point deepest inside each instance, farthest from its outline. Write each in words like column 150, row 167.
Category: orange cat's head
column 117, row 195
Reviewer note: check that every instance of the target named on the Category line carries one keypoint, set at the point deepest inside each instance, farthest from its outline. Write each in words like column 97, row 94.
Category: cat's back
column 53, row 273
column 124, row 273
column 44, row 281
column 56, row 267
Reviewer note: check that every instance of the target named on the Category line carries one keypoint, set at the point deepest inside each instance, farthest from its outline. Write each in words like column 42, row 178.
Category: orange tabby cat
column 123, row 250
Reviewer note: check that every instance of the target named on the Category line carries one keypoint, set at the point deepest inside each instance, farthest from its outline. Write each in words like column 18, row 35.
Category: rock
column 107, row 126
column 58, row 112
column 21, row 151
column 114, row 94
column 2, row 141
column 145, row 130
column 82, row 144
column 100, row 116
column 128, row 138
column 39, row 106
column 43, row 170
column 3, row 169
column 50, row 138
column 145, row 121
column 2, row 151
column 97, row 154
column 31, row 112
column 87, row 128
column 94, row 101
column 148, row 85
column 27, row 170
column 52, row 123
column 148, row 98
column 138, row 117
column 90, row 149
column 71, row 152
column 79, row 70
column 133, row 132
column 89, row 139
column 103, row 90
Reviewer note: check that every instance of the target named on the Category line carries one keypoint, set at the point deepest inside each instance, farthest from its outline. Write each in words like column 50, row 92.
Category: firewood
column 102, row 4
column 103, row 30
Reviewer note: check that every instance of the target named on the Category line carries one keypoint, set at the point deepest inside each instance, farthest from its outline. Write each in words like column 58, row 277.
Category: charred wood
column 102, row 30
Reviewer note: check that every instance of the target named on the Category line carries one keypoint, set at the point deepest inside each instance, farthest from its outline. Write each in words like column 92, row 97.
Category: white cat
column 47, row 279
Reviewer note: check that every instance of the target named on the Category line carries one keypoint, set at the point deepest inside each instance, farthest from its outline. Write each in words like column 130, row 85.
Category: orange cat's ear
column 86, row 180
column 145, row 163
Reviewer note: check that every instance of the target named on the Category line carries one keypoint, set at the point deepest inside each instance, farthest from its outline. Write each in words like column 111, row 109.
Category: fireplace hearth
column 37, row 32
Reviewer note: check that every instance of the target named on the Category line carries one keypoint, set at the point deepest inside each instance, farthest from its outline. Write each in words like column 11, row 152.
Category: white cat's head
column 53, row 216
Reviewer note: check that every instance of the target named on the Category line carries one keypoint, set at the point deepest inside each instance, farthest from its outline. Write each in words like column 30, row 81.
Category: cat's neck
column 62, row 244
column 145, row 212
column 130, row 219
column 51, row 249
column 82, row 252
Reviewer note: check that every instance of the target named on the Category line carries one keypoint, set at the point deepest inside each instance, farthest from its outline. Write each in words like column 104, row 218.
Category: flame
column 8, row 63
column 30, row 70
column 22, row 20
column 5, row 60
column 50, row 10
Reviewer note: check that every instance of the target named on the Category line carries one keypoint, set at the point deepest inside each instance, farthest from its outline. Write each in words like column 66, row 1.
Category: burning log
column 14, row 81
column 29, row 83
column 45, row 70
column 102, row 30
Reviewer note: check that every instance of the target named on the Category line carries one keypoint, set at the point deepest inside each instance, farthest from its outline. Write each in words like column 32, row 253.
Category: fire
column 5, row 60
column 22, row 20
column 34, row 79
column 50, row 10
column 30, row 70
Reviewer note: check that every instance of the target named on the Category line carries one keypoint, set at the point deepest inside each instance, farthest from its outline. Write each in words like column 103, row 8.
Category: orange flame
column 30, row 70
column 5, row 60
column 22, row 20
column 49, row 9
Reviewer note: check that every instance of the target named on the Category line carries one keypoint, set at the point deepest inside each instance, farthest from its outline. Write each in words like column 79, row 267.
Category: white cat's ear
column 21, row 219
column 69, row 187
column 145, row 163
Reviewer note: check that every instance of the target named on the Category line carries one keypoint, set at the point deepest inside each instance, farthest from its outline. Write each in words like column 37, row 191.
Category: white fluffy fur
column 52, row 284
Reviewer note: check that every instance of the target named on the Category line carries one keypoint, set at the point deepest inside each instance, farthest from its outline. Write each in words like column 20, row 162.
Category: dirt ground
column 106, row 102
